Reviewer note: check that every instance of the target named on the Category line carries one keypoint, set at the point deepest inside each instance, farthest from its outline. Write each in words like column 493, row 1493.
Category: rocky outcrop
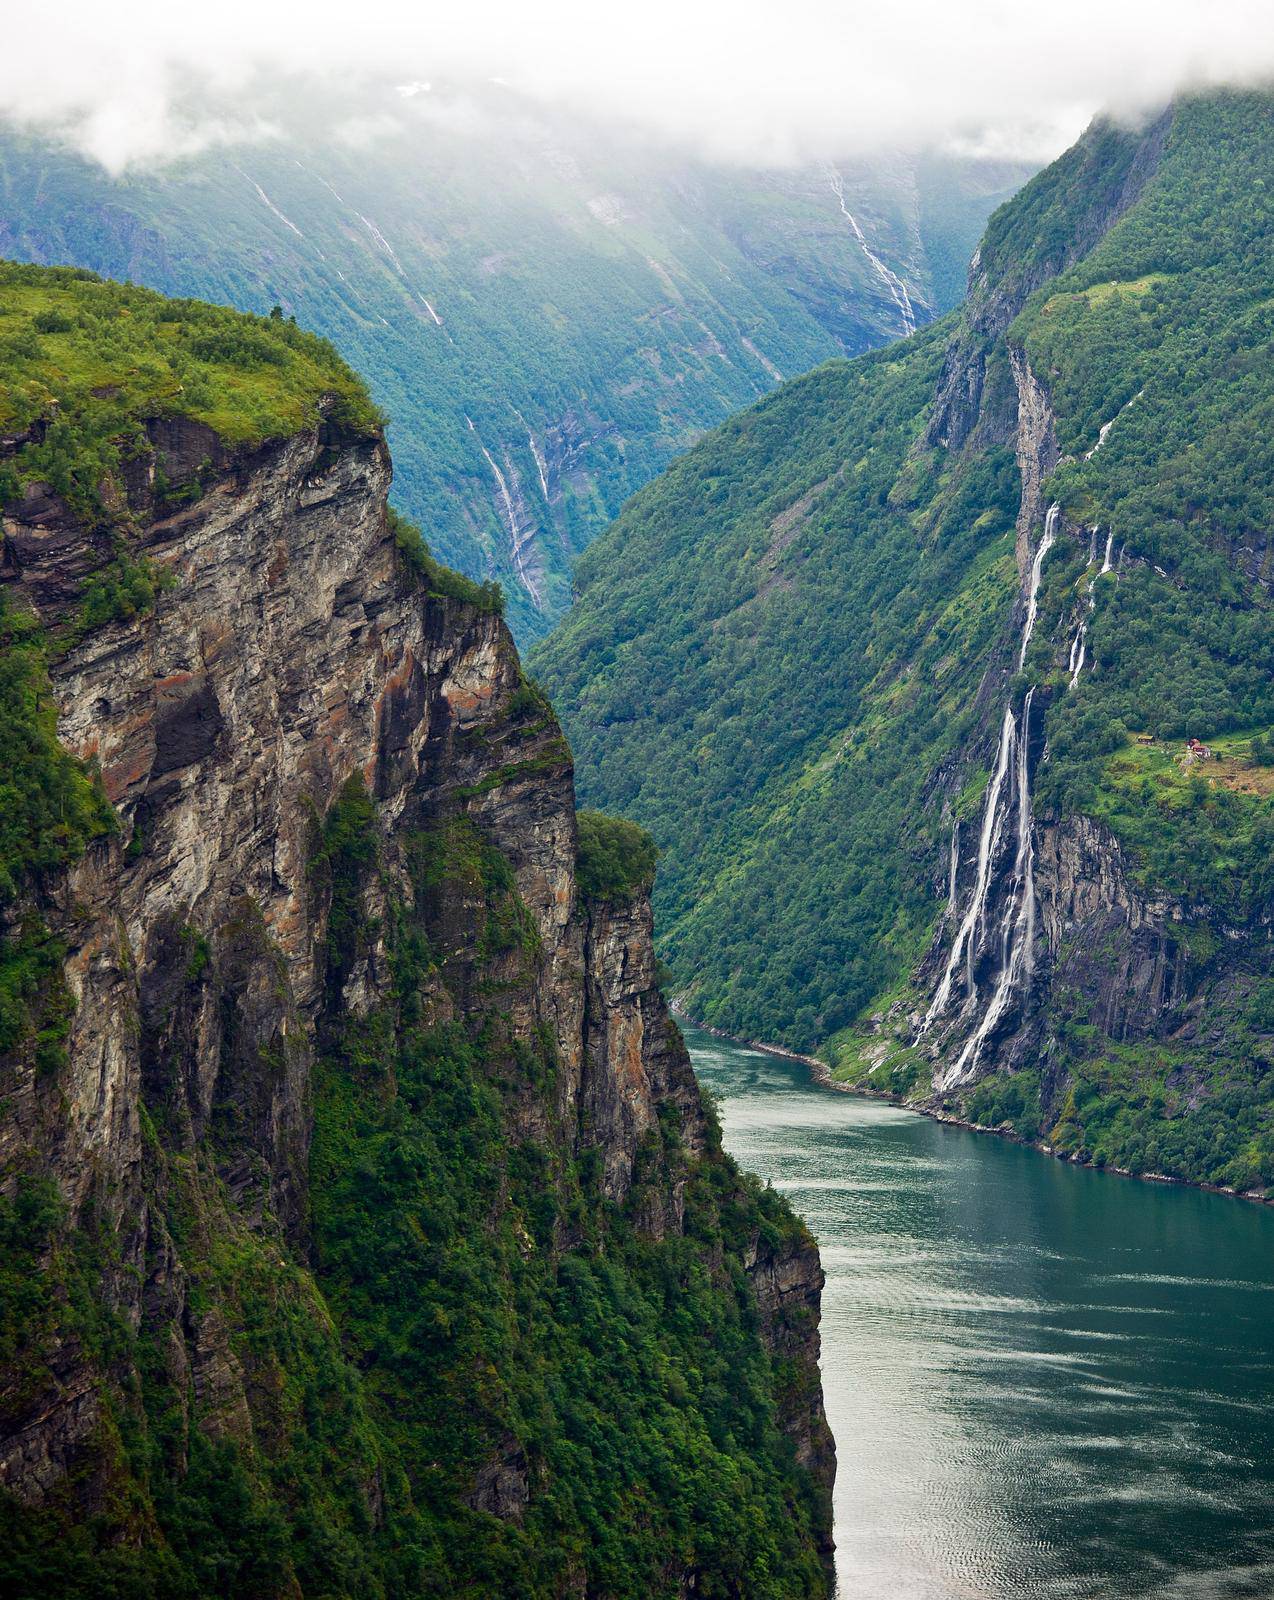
column 634, row 1058
column 788, row 1285
column 1036, row 450
column 1124, row 952
column 212, row 951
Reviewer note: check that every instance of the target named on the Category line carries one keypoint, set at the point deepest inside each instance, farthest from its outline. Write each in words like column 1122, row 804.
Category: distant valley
column 547, row 312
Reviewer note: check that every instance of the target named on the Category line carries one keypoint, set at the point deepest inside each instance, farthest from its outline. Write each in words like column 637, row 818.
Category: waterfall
column 1105, row 428
column 1037, row 566
column 1078, row 650
column 987, row 840
column 518, row 539
column 1092, row 544
column 1017, row 929
column 1105, row 560
column 955, row 867
column 1016, row 942
column 897, row 288
column 537, row 455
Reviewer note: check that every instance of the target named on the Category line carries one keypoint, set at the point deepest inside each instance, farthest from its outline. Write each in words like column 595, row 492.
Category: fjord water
column 1044, row 1381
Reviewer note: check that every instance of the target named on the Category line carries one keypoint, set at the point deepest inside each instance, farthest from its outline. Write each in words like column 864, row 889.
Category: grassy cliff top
column 95, row 360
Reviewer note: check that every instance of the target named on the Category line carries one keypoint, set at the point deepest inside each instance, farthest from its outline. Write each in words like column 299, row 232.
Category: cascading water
column 1037, row 566
column 896, row 287
column 1015, row 952
column 1017, row 928
column 519, row 538
column 988, row 838
column 1078, row 650
column 1104, row 431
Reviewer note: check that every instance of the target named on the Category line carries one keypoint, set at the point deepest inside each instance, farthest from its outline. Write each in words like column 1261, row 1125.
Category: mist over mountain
column 548, row 308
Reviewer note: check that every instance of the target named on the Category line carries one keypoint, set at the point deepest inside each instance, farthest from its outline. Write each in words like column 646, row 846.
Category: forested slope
column 906, row 659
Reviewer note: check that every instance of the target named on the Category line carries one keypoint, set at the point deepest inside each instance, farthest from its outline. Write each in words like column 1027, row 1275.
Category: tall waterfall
column 1012, row 943
column 896, row 287
column 519, row 537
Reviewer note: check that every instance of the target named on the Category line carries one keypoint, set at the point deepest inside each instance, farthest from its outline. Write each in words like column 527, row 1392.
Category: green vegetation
column 436, row 579
column 1171, row 318
column 775, row 660
column 86, row 363
column 51, row 807
column 1188, row 829
column 1205, row 1114
column 773, row 649
column 620, row 1375
column 616, row 858
column 470, row 1310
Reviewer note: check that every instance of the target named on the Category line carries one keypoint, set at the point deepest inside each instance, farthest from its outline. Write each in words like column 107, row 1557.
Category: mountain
column 364, row 1232
column 547, row 310
column 944, row 677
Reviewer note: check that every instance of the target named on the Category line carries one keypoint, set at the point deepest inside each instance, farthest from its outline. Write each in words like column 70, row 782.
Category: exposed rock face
column 788, row 1287
column 999, row 289
column 1107, row 940
column 291, row 653
column 634, row 1058
column 1037, row 452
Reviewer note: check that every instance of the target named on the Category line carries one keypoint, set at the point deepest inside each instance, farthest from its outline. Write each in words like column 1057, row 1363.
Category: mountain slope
column 363, row 1230
column 899, row 669
column 547, row 311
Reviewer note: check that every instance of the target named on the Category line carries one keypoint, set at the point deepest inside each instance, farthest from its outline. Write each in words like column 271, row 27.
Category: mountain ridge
column 937, row 645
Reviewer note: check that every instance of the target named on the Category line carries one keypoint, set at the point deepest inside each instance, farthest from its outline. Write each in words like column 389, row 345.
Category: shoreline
column 821, row 1074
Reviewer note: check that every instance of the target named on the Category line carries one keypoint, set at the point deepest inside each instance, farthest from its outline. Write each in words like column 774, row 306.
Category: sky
column 139, row 82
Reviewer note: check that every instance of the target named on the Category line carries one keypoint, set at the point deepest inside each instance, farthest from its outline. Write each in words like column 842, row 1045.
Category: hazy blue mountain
column 547, row 311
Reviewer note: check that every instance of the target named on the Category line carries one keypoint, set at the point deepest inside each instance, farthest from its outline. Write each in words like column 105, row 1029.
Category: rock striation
column 228, row 938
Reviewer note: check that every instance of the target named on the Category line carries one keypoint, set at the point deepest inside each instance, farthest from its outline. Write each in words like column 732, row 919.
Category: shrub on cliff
column 616, row 858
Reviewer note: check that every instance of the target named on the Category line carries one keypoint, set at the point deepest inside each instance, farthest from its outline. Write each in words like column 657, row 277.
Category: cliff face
column 341, row 1026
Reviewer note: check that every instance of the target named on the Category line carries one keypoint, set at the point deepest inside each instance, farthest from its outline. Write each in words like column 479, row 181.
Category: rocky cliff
column 367, row 1232
column 1079, row 978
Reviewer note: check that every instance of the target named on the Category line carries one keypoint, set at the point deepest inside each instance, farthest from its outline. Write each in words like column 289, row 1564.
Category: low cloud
column 138, row 82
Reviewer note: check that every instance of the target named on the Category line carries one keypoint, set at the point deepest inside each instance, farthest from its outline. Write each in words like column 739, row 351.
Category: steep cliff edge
column 365, row 1231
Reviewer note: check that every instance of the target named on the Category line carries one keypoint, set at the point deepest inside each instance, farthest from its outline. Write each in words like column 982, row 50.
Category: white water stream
column 1016, row 943
column 1105, row 428
column 897, row 288
column 519, row 539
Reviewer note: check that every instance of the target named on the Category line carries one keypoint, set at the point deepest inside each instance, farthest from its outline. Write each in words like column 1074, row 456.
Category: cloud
column 137, row 81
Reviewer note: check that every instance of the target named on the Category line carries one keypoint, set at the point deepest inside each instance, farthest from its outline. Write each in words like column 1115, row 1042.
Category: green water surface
column 1043, row 1380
